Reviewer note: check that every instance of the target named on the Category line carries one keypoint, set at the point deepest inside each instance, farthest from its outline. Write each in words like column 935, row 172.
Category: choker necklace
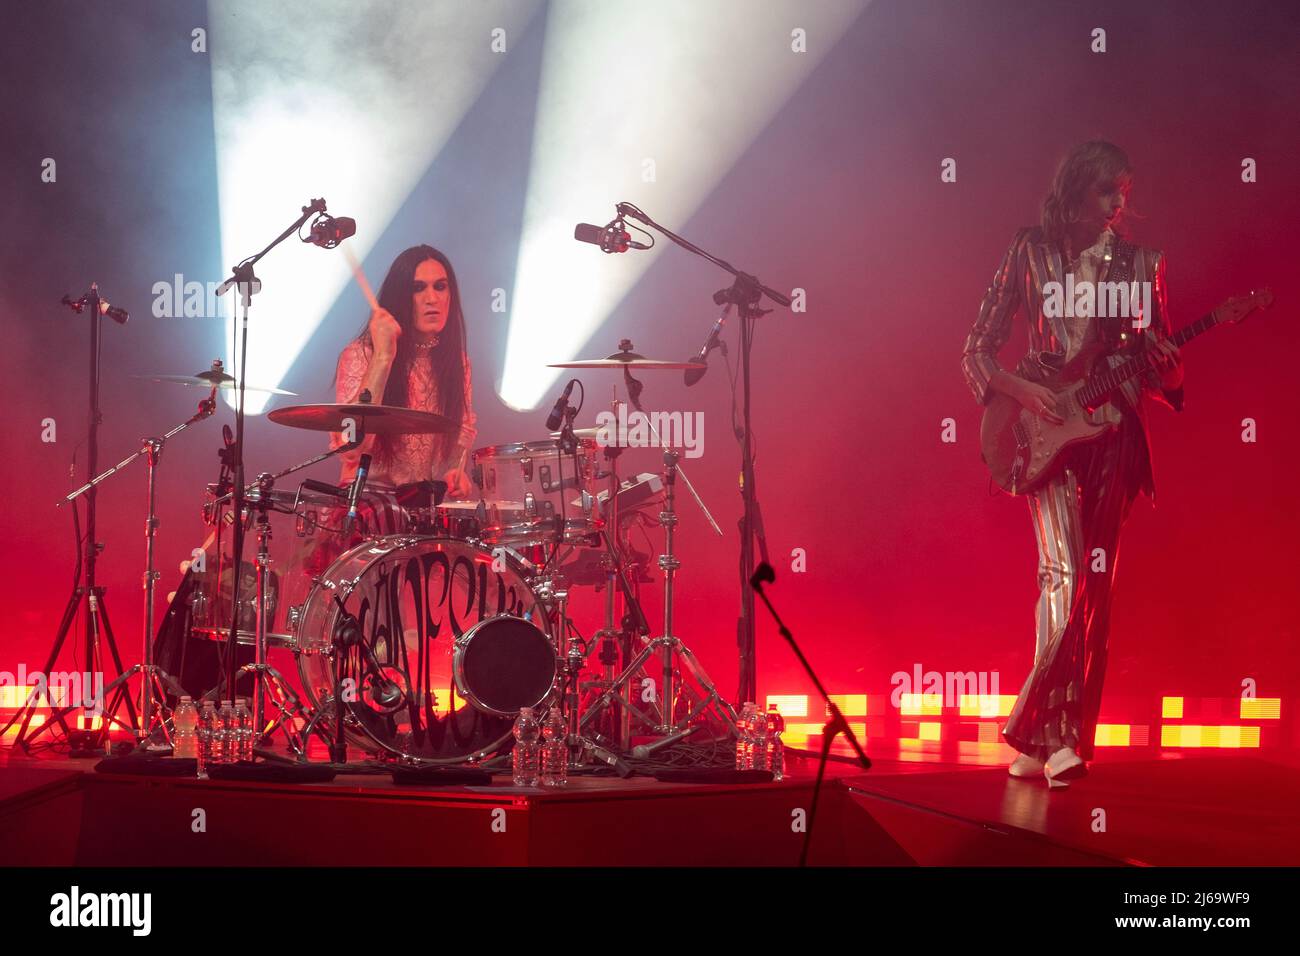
column 425, row 346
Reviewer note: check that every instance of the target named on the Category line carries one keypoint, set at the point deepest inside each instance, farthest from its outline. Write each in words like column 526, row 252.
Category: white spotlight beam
column 679, row 83
column 347, row 99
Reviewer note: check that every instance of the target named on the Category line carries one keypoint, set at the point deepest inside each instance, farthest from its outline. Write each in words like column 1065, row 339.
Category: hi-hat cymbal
column 209, row 378
column 368, row 419
column 628, row 360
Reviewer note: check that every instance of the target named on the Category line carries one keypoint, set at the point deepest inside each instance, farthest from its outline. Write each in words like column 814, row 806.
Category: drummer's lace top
column 414, row 457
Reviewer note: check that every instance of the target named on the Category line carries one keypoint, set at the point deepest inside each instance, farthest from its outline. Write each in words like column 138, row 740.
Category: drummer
column 412, row 353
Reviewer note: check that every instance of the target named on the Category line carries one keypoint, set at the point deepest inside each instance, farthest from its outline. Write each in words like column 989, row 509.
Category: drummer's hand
column 384, row 332
column 458, row 484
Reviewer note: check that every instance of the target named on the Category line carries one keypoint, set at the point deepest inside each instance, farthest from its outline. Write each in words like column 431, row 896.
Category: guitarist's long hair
column 1086, row 164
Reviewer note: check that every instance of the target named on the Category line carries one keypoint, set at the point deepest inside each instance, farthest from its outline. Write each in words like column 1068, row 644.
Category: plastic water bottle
column 744, row 738
column 227, row 732
column 207, row 736
column 185, row 722
column 527, row 749
column 244, row 730
column 761, row 740
column 775, row 745
column 555, row 751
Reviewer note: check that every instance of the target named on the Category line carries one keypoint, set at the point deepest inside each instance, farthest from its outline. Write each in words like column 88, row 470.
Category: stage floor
column 1173, row 811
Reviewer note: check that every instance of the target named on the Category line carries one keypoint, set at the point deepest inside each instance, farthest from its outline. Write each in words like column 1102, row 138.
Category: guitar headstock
column 1240, row 306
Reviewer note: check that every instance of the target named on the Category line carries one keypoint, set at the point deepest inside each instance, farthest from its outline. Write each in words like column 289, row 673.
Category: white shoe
column 1063, row 766
column 1025, row 766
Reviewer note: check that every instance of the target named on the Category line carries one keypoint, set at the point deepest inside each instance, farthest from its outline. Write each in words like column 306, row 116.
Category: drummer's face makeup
column 430, row 297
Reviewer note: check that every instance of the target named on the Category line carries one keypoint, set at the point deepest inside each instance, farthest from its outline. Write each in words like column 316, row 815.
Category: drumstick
column 360, row 276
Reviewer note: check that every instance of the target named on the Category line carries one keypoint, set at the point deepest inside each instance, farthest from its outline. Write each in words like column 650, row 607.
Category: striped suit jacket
column 1029, row 264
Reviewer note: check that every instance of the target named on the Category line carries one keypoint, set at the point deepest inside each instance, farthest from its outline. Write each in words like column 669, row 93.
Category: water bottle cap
column 525, row 712
column 187, row 700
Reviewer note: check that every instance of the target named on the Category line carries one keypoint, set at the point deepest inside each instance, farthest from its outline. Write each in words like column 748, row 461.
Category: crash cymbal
column 369, row 419
column 210, row 378
column 628, row 360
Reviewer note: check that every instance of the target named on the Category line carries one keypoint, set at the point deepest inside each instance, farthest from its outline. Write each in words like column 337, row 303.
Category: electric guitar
column 1022, row 450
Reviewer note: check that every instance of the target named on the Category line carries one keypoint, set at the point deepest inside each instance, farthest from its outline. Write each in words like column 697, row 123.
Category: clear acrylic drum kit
column 438, row 622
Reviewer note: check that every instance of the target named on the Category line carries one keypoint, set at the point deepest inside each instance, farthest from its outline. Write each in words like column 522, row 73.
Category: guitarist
column 1084, row 506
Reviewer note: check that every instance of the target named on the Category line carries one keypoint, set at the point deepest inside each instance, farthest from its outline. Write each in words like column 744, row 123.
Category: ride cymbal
column 368, row 419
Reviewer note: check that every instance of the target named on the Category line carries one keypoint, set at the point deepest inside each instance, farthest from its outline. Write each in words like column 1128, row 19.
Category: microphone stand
column 249, row 285
column 84, row 741
column 836, row 725
column 745, row 293
column 262, row 671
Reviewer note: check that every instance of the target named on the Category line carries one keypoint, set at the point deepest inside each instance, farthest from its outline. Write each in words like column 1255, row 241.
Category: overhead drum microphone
column 611, row 237
column 327, row 232
column 693, row 375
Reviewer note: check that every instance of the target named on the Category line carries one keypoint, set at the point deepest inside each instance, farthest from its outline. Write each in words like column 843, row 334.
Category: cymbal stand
column 155, row 681
column 615, row 637
column 282, row 695
column 669, row 647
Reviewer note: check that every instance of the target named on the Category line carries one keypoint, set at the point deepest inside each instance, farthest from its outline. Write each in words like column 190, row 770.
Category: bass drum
column 442, row 641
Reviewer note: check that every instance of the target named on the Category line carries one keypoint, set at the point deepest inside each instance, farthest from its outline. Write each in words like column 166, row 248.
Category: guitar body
column 1023, row 450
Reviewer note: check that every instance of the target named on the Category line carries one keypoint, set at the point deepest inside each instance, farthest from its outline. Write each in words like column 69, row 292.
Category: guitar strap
column 1121, row 270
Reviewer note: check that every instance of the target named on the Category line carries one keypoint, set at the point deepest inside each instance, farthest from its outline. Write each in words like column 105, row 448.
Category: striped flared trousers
column 1077, row 518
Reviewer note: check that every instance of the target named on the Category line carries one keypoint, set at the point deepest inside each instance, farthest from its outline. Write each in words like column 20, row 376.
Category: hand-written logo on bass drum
column 421, row 604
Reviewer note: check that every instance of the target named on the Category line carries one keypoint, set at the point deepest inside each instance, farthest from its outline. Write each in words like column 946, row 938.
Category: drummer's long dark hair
column 448, row 356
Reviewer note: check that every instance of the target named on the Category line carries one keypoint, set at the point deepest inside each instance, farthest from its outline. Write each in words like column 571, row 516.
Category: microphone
column 693, row 375
column 387, row 694
column 557, row 413
column 118, row 315
column 358, row 485
column 611, row 237
column 327, row 232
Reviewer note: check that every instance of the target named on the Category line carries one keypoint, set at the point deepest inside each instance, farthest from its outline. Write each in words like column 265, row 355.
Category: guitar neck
column 1102, row 384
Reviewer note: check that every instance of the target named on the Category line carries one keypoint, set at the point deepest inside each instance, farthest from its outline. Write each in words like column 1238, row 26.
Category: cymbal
column 594, row 434
column 589, row 433
column 209, row 378
column 369, row 419
column 628, row 360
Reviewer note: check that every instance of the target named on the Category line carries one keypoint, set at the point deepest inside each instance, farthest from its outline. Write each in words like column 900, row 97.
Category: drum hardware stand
column 836, row 725
column 327, row 710
column 668, row 646
column 153, row 696
column 261, row 670
column 615, row 637
column 285, row 699
column 347, row 634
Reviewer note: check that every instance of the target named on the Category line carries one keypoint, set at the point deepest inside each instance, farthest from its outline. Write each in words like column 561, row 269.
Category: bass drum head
column 414, row 599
